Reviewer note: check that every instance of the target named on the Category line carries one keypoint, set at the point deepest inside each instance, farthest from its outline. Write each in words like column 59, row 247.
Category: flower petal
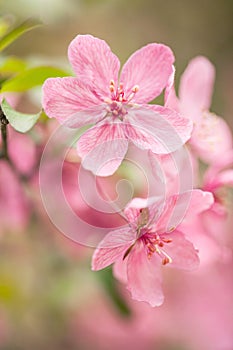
column 199, row 201
column 211, row 137
column 183, row 254
column 94, row 63
column 135, row 215
column 14, row 206
column 149, row 68
column 212, row 177
column 196, row 87
column 120, row 270
column 63, row 97
column 179, row 208
column 112, row 247
column 144, row 276
column 86, row 116
column 157, row 128
column 170, row 98
column 102, row 148
column 22, row 151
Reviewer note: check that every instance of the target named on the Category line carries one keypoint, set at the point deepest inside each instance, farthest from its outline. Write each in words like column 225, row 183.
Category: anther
column 167, row 240
column 121, row 86
column 135, row 89
column 112, row 88
column 166, row 260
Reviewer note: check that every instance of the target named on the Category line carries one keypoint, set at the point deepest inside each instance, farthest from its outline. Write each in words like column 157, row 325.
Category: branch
column 4, row 122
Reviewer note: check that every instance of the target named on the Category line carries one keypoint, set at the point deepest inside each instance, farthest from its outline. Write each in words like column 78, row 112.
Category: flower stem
column 4, row 122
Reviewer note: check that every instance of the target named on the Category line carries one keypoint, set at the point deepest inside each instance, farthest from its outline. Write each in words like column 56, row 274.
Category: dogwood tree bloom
column 149, row 242
column 119, row 109
column 211, row 136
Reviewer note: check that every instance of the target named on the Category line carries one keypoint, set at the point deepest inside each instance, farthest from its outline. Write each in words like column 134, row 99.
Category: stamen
column 154, row 243
column 112, row 88
column 135, row 89
column 166, row 260
column 167, row 240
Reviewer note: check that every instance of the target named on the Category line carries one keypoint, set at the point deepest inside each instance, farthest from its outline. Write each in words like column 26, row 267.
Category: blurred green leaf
column 110, row 286
column 32, row 77
column 20, row 121
column 12, row 65
column 5, row 23
column 15, row 33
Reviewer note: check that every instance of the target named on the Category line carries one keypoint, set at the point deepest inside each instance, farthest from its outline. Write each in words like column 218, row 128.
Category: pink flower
column 14, row 205
column 212, row 229
column 149, row 241
column 211, row 135
column 119, row 110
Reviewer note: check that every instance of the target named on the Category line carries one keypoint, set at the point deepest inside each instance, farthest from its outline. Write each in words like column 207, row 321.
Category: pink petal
column 211, row 137
column 199, row 201
column 22, row 151
column 225, row 178
column 64, row 97
column 170, row 98
column 102, row 148
column 183, row 254
column 164, row 224
column 157, row 128
column 120, row 270
column 112, row 247
column 180, row 207
column 14, row 206
column 87, row 116
column 149, row 68
column 211, row 181
column 144, row 276
column 196, row 87
column 153, row 208
column 94, row 63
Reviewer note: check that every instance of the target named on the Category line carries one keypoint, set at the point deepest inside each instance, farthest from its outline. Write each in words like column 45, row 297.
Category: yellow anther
column 135, row 89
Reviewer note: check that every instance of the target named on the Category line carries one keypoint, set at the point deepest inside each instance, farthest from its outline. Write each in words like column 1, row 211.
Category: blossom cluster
column 185, row 226
column 189, row 150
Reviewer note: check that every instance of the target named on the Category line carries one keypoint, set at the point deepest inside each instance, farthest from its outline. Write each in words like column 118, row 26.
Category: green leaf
column 12, row 65
column 32, row 77
column 5, row 23
column 110, row 286
column 14, row 34
column 20, row 121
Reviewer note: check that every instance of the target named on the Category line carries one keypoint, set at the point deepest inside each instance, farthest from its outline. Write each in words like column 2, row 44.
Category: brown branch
column 4, row 122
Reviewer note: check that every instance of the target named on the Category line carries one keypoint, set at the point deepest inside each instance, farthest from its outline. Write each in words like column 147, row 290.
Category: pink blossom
column 14, row 206
column 211, row 135
column 149, row 242
column 119, row 110
column 217, row 179
column 210, row 230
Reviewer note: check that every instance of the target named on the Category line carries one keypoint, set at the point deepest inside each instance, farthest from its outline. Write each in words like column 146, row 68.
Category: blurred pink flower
column 211, row 135
column 150, row 241
column 119, row 110
column 211, row 230
column 14, row 206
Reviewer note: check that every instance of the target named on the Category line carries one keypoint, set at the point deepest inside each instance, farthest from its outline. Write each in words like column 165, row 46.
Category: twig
column 4, row 122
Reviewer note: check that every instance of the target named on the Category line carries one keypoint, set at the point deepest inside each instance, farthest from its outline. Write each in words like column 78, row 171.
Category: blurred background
column 49, row 298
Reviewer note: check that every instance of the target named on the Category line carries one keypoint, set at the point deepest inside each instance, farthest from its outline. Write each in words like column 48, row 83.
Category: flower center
column 118, row 103
column 154, row 244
